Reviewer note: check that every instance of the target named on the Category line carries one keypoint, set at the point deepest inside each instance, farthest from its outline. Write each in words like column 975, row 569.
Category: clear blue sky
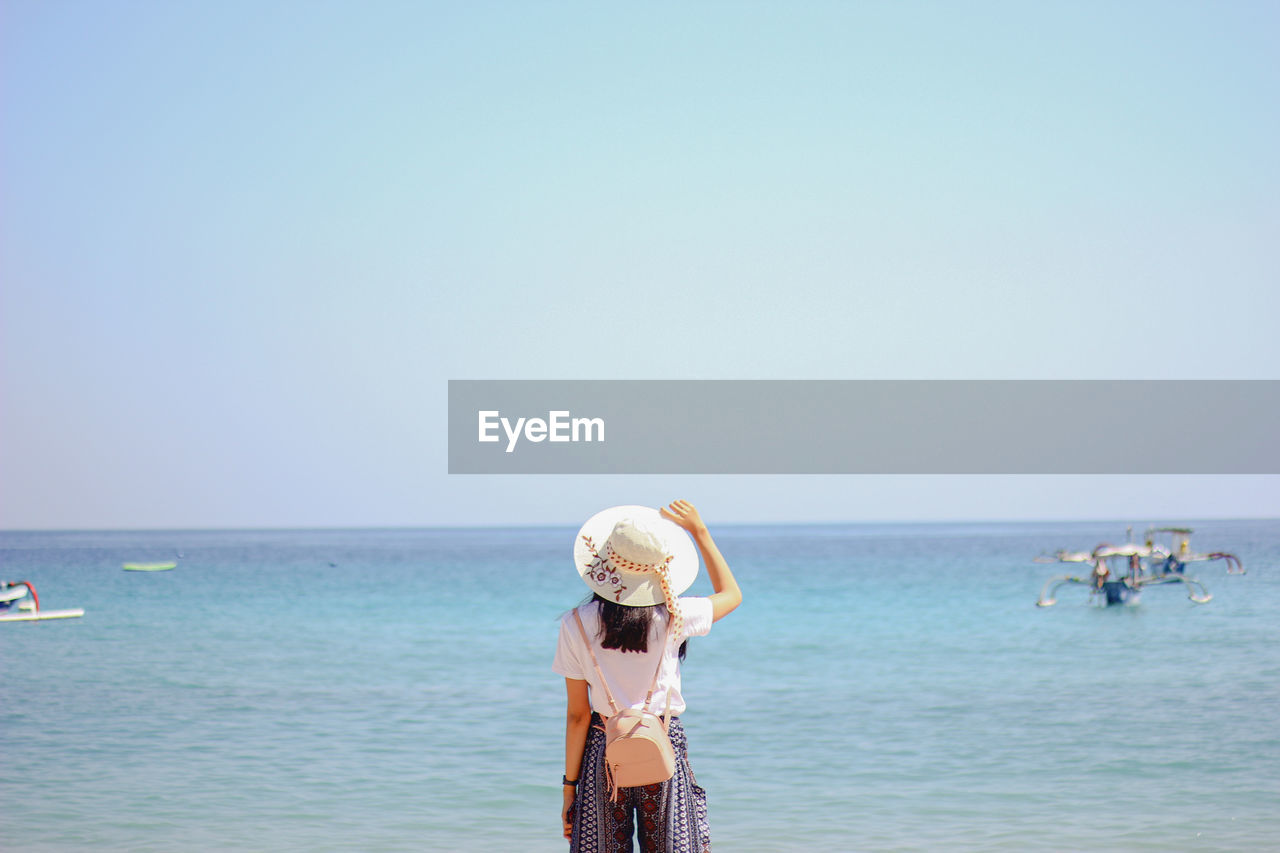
column 243, row 246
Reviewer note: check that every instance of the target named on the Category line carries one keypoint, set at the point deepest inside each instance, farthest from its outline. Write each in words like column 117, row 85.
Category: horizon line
column 543, row 525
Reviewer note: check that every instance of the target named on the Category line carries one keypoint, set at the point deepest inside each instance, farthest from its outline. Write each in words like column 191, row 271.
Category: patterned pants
column 670, row 817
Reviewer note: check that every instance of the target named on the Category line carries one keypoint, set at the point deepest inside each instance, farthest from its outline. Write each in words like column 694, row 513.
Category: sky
column 244, row 246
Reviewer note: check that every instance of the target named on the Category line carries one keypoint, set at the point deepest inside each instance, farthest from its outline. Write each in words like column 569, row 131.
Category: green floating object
column 148, row 567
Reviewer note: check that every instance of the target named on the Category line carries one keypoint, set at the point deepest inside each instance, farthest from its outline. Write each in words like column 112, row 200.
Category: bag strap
column 612, row 704
column 653, row 685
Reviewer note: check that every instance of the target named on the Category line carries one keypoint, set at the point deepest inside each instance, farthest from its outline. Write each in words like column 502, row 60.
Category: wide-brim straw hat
column 621, row 551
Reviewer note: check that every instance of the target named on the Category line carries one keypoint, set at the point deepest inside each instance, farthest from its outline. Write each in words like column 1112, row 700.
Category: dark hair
column 627, row 628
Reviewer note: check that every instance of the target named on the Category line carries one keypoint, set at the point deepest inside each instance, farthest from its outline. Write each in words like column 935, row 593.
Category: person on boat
column 636, row 561
column 1100, row 574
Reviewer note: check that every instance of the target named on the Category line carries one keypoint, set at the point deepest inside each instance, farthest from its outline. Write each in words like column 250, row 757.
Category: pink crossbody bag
column 637, row 749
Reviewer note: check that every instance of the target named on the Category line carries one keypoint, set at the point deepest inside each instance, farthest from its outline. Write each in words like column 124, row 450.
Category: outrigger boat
column 23, row 595
column 1121, row 572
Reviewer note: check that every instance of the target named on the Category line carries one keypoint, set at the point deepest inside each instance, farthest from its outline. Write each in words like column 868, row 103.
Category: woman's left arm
column 576, row 722
column 727, row 595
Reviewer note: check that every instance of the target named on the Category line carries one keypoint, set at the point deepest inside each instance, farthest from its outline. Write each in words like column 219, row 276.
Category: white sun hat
column 624, row 553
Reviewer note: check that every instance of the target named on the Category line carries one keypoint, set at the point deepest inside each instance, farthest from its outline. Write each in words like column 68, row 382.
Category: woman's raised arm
column 727, row 594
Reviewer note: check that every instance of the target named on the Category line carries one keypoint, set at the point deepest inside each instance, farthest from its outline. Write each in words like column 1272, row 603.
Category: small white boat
column 149, row 567
column 23, row 594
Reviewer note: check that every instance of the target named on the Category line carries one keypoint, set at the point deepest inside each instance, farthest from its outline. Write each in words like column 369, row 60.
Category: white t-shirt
column 630, row 673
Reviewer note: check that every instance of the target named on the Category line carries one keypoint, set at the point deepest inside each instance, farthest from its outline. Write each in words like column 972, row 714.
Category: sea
column 882, row 687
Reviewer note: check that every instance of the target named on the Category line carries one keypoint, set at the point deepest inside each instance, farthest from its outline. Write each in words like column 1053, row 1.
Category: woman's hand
column 684, row 514
column 566, row 814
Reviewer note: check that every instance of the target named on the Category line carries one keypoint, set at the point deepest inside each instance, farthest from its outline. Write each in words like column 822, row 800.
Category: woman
column 636, row 561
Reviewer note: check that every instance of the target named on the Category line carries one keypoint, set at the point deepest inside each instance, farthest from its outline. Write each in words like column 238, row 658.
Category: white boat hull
column 36, row 616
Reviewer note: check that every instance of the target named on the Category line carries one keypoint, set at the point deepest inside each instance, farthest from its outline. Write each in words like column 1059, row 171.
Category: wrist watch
column 574, row 783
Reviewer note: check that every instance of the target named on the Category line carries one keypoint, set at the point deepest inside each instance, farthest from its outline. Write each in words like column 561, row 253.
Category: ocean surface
column 883, row 687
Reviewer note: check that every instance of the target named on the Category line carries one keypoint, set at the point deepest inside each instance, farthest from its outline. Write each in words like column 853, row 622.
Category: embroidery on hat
column 602, row 572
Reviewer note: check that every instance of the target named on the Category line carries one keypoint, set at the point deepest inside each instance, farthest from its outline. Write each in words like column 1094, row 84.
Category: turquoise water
column 884, row 687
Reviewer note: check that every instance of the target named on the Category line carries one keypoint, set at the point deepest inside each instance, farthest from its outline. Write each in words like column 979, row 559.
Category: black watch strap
column 574, row 783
